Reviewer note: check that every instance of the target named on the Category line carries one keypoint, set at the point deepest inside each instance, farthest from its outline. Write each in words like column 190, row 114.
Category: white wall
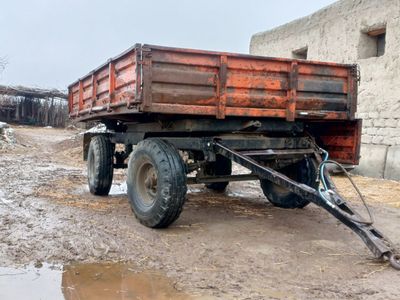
column 337, row 33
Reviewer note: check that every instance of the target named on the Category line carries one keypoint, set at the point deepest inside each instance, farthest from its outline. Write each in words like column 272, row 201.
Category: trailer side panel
column 193, row 82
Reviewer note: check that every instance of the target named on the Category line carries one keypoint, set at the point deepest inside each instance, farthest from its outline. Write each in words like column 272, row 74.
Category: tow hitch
column 326, row 197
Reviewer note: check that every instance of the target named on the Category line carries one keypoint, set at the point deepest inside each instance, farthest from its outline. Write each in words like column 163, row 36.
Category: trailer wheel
column 304, row 172
column 100, row 165
column 222, row 166
column 156, row 183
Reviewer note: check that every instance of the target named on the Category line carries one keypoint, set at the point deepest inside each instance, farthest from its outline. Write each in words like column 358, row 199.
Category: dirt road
column 229, row 246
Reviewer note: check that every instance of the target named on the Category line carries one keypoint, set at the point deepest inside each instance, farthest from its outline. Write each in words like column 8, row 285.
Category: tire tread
column 103, row 169
column 171, row 173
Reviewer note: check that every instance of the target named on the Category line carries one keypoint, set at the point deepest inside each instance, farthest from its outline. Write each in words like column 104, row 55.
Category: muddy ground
column 225, row 246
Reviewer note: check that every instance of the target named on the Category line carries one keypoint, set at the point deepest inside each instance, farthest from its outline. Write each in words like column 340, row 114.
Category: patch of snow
column 4, row 125
column 192, row 189
column 7, row 138
column 9, row 133
column 118, row 189
column 99, row 128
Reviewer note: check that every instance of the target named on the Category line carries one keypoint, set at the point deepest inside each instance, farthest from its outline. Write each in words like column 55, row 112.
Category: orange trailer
column 190, row 113
column 192, row 83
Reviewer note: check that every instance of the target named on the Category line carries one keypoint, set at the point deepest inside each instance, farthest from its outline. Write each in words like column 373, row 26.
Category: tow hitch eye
column 394, row 260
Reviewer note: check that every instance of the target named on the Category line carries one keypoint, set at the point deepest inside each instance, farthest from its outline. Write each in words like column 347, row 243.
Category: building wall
column 338, row 33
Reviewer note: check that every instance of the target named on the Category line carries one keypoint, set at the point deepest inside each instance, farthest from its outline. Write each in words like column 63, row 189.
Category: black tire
column 221, row 166
column 304, row 172
column 100, row 165
column 156, row 183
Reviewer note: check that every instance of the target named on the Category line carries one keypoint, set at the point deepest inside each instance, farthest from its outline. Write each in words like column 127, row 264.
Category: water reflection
column 31, row 283
column 115, row 281
column 86, row 281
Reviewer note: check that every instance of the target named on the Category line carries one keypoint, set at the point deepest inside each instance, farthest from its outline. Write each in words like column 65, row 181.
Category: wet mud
column 233, row 245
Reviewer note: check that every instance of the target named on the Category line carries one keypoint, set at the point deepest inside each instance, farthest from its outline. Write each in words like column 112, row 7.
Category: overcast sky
column 50, row 43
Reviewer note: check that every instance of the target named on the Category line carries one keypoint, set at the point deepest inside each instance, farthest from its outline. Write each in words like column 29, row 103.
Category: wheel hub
column 150, row 181
column 147, row 183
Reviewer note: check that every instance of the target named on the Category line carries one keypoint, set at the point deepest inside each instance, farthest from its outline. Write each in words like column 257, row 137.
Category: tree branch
column 3, row 63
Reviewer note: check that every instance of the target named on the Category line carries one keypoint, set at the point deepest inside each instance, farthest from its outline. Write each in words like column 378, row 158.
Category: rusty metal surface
column 110, row 88
column 341, row 139
column 194, row 82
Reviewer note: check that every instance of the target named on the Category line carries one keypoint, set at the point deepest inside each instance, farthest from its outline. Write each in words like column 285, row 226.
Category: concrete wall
column 339, row 33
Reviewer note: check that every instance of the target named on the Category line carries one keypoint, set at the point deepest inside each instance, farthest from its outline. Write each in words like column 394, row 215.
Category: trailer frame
column 274, row 116
column 250, row 144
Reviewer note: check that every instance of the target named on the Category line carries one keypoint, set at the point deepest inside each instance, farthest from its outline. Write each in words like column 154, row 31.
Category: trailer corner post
column 221, row 87
column 292, row 92
column 147, row 78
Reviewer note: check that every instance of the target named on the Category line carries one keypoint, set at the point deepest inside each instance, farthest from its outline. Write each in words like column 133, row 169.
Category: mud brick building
column 365, row 32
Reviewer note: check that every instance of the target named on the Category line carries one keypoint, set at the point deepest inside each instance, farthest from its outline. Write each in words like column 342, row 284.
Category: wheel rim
column 147, row 183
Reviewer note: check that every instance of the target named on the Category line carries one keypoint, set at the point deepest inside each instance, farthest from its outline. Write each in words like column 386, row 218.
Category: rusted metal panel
column 147, row 79
column 183, row 81
column 111, row 82
column 221, row 87
column 292, row 92
column 353, row 90
column 341, row 139
column 80, row 95
column 107, row 88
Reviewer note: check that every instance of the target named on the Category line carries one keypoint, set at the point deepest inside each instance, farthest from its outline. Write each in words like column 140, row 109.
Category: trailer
column 185, row 115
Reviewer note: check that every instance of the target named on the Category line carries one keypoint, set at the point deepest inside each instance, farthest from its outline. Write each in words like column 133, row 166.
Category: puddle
column 86, row 281
column 31, row 283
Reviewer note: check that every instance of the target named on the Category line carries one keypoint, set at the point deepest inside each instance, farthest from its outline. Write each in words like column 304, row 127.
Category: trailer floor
column 229, row 246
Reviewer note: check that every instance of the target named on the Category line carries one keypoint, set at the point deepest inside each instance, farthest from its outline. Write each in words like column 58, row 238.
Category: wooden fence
column 33, row 106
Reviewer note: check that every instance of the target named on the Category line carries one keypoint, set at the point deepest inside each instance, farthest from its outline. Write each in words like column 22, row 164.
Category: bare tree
column 3, row 63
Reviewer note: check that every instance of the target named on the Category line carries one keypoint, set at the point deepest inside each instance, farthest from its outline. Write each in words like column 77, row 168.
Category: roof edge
column 298, row 20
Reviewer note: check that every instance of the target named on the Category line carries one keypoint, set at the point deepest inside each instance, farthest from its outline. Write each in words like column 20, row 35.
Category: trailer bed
column 163, row 80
